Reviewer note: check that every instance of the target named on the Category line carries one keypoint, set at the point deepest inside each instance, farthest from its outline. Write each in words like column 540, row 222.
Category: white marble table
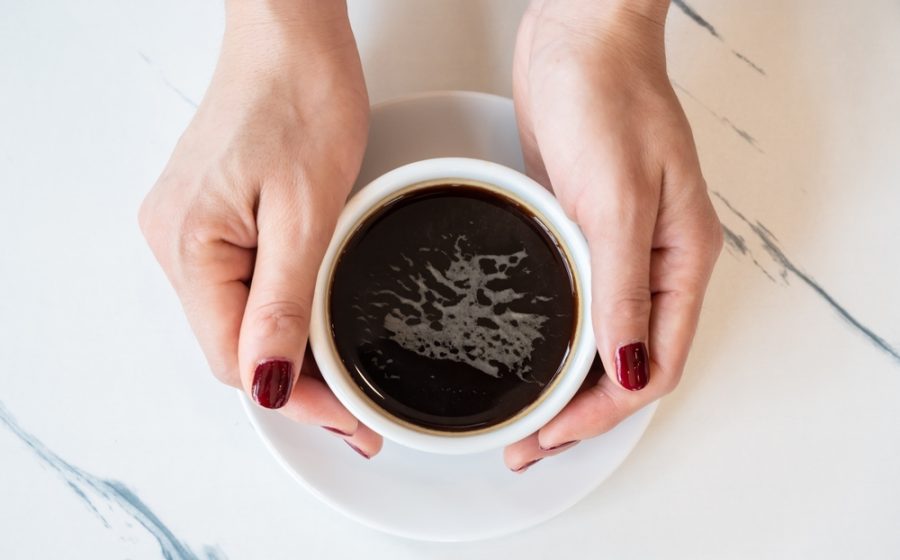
column 783, row 440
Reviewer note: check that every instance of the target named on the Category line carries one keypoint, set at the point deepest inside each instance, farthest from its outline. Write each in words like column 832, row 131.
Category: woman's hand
column 600, row 123
column 245, row 208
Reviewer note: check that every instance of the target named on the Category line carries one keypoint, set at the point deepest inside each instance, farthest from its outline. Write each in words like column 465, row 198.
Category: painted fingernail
column 357, row 449
column 559, row 445
column 525, row 467
column 633, row 366
column 272, row 382
column 336, row 431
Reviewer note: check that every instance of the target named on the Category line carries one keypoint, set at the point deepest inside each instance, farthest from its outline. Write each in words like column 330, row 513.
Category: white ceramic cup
column 504, row 181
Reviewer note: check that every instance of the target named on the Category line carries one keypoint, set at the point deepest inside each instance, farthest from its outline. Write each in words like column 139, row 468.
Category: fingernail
column 272, row 383
column 357, row 449
column 632, row 366
column 525, row 467
column 559, row 445
column 336, row 431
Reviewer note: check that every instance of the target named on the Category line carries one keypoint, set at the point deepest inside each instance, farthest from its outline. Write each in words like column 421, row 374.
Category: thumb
column 291, row 241
column 618, row 222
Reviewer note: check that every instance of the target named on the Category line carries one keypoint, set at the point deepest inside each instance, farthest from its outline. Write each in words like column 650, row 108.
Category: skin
column 254, row 187
column 601, row 125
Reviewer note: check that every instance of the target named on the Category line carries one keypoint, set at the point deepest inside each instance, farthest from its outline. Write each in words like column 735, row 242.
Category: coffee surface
column 452, row 308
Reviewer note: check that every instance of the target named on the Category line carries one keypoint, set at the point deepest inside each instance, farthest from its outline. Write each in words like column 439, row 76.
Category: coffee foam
column 459, row 314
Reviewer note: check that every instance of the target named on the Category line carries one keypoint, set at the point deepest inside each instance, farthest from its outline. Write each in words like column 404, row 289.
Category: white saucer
column 437, row 497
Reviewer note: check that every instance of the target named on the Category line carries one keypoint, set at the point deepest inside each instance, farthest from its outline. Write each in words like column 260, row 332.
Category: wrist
column 287, row 27
column 637, row 16
column 287, row 13
column 624, row 36
column 291, row 46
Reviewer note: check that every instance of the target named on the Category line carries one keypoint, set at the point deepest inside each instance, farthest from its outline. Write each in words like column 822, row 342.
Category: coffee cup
column 452, row 307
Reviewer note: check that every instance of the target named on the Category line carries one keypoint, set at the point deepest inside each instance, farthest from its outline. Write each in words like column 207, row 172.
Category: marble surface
column 783, row 440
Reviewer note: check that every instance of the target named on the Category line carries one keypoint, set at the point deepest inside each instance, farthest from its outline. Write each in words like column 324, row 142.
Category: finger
column 619, row 228
column 523, row 454
column 681, row 275
column 215, row 311
column 605, row 405
column 594, row 412
column 209, row 272
column 312, row 402
column 681, row 280
column 365, row 442
column 613, row 195
column 273, row 333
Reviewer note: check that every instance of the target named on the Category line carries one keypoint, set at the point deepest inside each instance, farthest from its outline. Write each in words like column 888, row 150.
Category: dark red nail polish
column 525, row 467
column 633, row 366
column 559, row 445
column 357, row 449
column 336, row 431
column 272, row 383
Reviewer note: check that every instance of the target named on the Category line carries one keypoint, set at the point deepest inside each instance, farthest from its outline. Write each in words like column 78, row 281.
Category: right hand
column 243, row 212
column 600, row 122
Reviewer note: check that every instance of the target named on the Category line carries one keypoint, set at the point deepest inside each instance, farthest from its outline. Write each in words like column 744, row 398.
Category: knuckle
column 198, row 230
column 664, row 379
column 191, row 226
column 605, row 413
column 707, row 236
column 222, row 365
column 179, row 214
column 144, row 217
column 607, row 205
column 285, row 187
column 718, row 238
column 667, row 385
column 710, row 240
column 627, row 304
column 715, row 229
column 281, row 317
column 172, row 225
column 226, row 375
column 149, row 222
column 192, row 243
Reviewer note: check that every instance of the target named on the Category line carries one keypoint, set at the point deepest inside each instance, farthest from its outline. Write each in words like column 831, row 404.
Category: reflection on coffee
column 452, row 307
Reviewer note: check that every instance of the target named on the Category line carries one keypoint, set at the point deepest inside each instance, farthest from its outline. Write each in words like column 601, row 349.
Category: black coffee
column 452, row 307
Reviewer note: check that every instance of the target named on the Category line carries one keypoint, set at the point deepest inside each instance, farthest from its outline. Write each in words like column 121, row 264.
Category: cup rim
column 519, row 188
column 386, row 201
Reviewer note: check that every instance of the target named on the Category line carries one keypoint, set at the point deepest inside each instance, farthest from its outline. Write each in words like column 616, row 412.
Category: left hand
column 600, row 123
column 243, row 212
